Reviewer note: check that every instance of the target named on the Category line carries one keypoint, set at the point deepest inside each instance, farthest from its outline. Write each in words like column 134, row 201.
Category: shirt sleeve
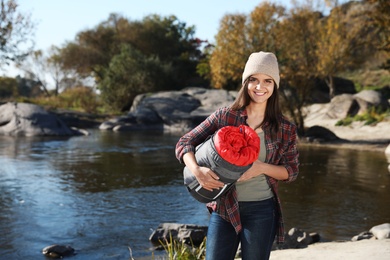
column 291, row 154
column 199, row 134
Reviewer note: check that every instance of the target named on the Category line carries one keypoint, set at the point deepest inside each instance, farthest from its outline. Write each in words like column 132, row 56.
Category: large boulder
column 187, row 233
column 319, row 134
column 23, row 119
column 344, row 105
column 371, row 98
column 341, row 106
column 381, row 231
column 298, row 238
column 171, row 111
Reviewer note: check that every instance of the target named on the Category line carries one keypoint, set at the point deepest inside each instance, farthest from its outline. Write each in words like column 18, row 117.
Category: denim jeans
column 258, row 219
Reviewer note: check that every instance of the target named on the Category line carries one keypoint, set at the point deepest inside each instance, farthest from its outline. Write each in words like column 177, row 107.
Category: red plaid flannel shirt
column 282, row 151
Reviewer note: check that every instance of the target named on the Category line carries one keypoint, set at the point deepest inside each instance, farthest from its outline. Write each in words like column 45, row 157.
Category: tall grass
column 81, row 99
column 371, row 117
column 179, row 250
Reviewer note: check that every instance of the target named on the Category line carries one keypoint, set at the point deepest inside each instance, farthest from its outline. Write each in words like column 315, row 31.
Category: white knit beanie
column 262, row 62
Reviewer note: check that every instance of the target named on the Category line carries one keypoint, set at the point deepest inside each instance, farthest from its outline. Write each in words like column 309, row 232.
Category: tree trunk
column 294, row 109
column 330, row 82
column 57, row 88
column 300, row 123
column 44, row 88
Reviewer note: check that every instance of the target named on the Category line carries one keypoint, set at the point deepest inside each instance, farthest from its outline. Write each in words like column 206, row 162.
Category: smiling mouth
column 259, row 93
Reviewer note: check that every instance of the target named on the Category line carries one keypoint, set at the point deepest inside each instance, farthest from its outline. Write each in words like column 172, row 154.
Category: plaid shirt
column 282, row 151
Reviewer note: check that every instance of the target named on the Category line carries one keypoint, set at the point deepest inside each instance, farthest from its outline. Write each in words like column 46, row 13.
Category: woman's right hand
column 208, row 179
column 205, row 176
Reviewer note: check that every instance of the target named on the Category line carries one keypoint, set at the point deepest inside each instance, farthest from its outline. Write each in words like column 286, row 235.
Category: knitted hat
column 262, row 62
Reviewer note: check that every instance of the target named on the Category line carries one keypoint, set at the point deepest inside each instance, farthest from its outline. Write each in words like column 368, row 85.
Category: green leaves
column 127, row 58
column 131, row 73
column 16, row 30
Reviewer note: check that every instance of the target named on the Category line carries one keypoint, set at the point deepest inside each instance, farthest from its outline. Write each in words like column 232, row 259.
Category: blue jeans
column 259, row 221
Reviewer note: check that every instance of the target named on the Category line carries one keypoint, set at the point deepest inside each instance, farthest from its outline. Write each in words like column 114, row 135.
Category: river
column 106, row 192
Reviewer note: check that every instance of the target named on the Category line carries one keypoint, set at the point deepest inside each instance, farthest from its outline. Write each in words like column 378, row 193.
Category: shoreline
column 355, row 136
column 358, row 137
column 361, row 145
column 343, row 250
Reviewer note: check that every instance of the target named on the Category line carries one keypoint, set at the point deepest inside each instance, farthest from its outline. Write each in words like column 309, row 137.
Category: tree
column 297, row 43
column 167, row 38
column 238, row 36
column 171, row 41
column 91, row 52
column 62, row 77
column 131, row 73
column 127, row 58
column 203, row 67
column 228, row 57
column 344, row 42
column 15, row 32
column 378, row 11
column 8, row 87
column 48, row 71
column 35, row 67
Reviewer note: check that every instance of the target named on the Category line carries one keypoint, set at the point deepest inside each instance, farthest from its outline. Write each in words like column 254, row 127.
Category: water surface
column 106, row 192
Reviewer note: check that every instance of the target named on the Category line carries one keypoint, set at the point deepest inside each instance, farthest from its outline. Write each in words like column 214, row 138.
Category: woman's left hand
column 251, row 172
column 278, row 172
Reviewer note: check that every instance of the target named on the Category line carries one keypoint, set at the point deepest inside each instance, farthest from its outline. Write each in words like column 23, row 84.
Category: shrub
column 181, row 251
column 80, row 98
column 372, row 116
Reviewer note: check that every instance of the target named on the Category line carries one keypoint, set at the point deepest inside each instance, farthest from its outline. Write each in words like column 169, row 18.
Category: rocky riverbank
column 359, row 250
column 357, row 136
column 373, row 244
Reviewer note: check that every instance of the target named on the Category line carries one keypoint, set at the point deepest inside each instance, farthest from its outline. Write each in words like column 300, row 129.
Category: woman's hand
column 207, row 178
column 278, row 172
column 251, row 172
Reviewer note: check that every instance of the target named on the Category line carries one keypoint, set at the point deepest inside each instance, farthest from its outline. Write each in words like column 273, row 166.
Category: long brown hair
column 272, row 110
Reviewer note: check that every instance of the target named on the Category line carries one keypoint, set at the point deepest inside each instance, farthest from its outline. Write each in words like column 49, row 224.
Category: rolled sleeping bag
column 229, row 153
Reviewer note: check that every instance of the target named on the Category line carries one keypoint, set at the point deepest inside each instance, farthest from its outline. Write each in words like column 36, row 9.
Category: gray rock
column 370, row 98
column 381, row 231
column 58, row 251
column 318, row 134
column 297, row 238
column 341, row 106
column 171, row 111
column 23, row 119
column 363, row 235
column 187, row 233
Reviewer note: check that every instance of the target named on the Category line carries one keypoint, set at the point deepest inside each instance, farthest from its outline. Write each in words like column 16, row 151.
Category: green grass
column 179, row 250
column 368, row 79
column 371, row 117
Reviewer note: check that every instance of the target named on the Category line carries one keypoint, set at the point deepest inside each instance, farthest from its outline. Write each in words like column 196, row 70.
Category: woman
column 250, row 213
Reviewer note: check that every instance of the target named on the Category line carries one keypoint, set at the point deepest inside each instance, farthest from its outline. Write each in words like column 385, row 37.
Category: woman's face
column 260, row 87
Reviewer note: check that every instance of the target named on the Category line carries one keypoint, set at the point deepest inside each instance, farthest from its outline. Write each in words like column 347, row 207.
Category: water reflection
column 339, row 192
column 105, row 192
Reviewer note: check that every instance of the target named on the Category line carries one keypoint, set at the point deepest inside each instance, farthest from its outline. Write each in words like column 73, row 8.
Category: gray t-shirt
column 255, row 189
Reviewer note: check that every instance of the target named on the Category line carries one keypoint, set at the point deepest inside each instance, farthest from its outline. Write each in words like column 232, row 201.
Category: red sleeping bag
column 237, row 145
column 229, row 153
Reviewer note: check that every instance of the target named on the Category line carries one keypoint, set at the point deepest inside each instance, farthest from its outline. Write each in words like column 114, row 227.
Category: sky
column 59, row 21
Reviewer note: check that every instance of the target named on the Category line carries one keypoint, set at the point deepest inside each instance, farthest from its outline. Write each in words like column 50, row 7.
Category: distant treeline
column 122, row 58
